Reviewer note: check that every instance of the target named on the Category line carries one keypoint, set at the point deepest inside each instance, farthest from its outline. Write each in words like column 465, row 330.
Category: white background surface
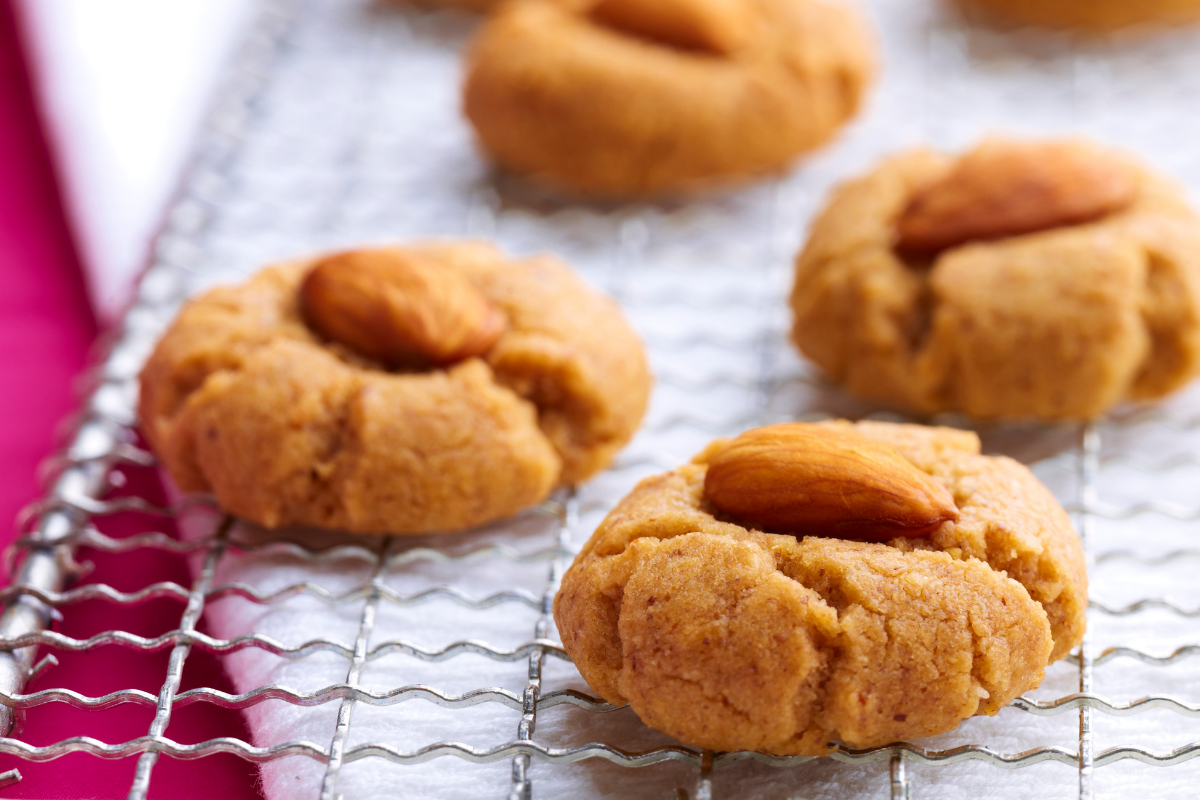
column 123, row 86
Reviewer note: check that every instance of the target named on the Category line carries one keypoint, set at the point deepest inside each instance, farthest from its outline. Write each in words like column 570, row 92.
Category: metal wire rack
column 337, row 125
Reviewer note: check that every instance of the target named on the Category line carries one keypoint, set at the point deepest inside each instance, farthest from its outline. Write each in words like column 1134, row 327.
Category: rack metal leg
column 901, row 787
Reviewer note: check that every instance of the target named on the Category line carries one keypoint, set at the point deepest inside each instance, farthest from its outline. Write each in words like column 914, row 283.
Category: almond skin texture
column 400, row 308
column 1008, row 188
column 810, row 480
column 715, row 26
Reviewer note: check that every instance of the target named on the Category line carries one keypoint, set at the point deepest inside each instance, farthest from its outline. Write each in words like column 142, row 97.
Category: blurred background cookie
column 630, row 97
column 1095, row 15
column 1046, row 279
column 401, row 390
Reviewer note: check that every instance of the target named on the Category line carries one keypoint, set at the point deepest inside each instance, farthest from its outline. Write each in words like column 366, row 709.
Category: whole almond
column 399, row 307
column 813, row 480
column 1007, row 188
column 716, row 26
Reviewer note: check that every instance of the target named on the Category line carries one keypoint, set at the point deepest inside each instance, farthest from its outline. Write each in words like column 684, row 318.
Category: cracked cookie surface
column 243, row 399
column 731, row 638
column 1061, row 323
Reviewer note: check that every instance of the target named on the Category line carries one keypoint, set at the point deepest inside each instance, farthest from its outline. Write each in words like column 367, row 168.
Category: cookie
column 1040, row 279
column 636, row 97
column 730, row 637
column 1094, row 15
column 401, row 390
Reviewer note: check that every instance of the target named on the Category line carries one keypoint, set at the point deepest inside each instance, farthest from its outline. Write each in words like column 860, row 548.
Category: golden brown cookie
column 1094, row 15
column 400, row 390
column 1022, row 279
column 632, row 97
column 731, row 638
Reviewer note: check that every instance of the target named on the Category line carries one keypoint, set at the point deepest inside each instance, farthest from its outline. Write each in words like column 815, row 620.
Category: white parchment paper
column 360, row 139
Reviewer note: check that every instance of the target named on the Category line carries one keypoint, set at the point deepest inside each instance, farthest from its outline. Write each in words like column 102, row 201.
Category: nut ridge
column 1008, row 188
column 715, row 26
column 810, row 479
column 399, row 307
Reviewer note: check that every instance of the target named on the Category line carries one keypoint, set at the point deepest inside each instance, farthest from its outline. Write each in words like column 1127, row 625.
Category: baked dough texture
column 734, row 639
column 242, row 399
column 553, row 93
column 1094, row 15
column 1058, row 324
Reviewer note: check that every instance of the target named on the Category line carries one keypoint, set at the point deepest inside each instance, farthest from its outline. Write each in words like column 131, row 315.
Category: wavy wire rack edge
column 55, row 526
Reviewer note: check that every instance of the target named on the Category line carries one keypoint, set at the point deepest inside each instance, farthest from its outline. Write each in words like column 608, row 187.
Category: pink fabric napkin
column 46, row 328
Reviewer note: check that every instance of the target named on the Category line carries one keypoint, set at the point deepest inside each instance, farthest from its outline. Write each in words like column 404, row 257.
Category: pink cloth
column 46, row 329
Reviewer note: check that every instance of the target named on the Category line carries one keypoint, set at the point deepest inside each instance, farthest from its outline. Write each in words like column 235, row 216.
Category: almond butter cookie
column 1042, row 279
column 402, row 390
column 805, row 584
column 1094, row 15
column 635, row 97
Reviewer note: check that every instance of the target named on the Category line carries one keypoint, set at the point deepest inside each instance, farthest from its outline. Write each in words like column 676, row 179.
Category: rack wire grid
column 339, row 124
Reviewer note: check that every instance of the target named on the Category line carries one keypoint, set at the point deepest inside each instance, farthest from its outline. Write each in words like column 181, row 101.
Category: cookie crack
column 1167, row 363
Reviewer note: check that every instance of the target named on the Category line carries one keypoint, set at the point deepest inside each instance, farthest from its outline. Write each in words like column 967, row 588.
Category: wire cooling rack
column 339, row 125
